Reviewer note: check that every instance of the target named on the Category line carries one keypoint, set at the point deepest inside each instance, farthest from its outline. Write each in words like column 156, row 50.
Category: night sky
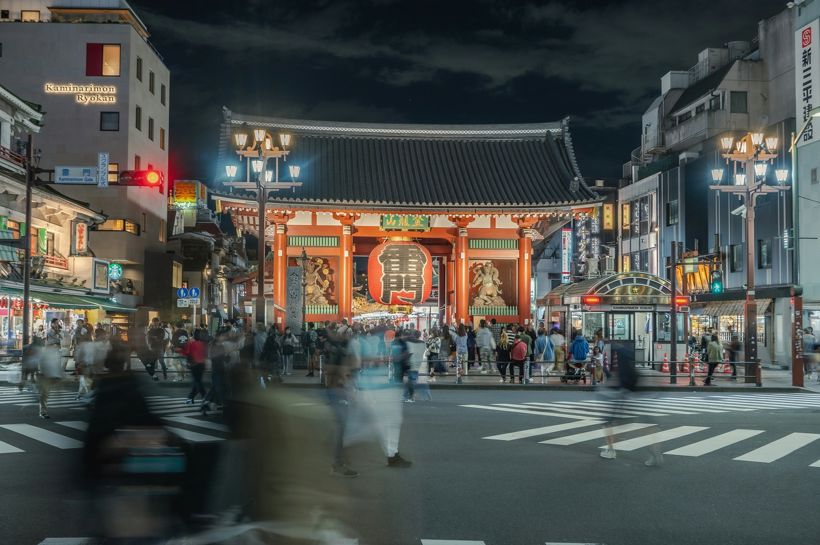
column 444, row 61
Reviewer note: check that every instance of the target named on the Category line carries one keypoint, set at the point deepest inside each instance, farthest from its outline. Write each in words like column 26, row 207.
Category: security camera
column 740, row 211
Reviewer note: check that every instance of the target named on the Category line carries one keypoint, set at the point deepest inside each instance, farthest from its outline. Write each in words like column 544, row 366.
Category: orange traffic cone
column 665, row 365
column 727, row 369
column 684, row 367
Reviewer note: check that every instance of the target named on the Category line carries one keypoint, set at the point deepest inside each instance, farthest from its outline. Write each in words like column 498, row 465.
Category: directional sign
column 182, row 293
column 194, row 292
column 102, row 169
column 75, row 175
column 181, row 303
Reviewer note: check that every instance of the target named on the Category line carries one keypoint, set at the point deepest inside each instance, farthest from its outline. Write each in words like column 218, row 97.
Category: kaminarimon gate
column 385, row 209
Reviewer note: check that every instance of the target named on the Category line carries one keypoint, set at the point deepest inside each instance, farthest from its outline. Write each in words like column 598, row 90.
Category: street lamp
column 257, row 154
column 749, row 157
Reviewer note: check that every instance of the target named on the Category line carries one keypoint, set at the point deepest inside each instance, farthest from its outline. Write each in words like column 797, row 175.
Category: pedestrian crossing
column 656, row 407
column 67, row 433
column 90, row 541
column 637, row 426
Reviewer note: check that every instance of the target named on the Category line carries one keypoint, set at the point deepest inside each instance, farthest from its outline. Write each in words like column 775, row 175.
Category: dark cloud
column 442, row 61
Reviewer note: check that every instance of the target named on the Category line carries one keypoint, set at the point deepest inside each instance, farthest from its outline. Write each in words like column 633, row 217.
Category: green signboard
column 405, row 222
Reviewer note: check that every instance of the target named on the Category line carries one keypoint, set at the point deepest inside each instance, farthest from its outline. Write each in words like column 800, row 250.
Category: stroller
column 575, row 371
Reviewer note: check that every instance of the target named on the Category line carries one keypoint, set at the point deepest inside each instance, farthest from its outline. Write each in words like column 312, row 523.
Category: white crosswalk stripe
column 610, row 407
column 193, row 436
column 655, row 438
column 595, row 434
column 519, row 411
column 778, row 449
column 546, row 430
column 569, row 409
column 43, row 436
column 89, row 541
column 714, row 443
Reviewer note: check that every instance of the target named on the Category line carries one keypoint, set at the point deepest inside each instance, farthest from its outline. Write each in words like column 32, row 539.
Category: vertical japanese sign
column 102, row 169
column 566, row 255
column 807, row 77
column 80, row 238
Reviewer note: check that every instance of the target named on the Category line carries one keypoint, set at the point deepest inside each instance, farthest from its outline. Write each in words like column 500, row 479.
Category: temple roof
column 521, row 166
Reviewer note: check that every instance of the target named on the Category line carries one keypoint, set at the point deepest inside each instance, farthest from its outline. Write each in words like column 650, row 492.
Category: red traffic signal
column 142, row 178
column 681, row 301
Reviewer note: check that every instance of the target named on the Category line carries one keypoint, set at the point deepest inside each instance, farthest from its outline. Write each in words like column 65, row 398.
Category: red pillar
column 280, row 267
column 525, row 267
column 344, row 288
column 462, row 279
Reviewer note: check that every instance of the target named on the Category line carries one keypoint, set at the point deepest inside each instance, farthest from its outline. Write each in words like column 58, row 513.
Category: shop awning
column 53, row 300
column 730, row 308
column 108, row 305
column 8, row 253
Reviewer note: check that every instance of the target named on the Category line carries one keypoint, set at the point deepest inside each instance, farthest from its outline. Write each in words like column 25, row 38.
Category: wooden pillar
column 344, row 287
column 450, row 296
column 526, row 234
column 462, row 278
column 443, row 286
column 280, row 266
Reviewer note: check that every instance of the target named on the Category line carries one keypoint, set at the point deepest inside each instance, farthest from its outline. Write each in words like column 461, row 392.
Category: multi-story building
column 67, row 280
column 666, row 196
column 91, row 67
column 805, row 37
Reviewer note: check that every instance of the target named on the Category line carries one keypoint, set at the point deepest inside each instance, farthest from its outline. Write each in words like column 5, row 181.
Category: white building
column 105, row 89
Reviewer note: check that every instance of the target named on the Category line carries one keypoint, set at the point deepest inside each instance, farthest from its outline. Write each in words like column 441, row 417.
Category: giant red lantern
column 400, row 273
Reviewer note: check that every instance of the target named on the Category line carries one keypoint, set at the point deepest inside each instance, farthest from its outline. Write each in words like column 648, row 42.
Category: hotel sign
column 84, row 94
column 405, row 222
column 566, row 256
column 807, row 74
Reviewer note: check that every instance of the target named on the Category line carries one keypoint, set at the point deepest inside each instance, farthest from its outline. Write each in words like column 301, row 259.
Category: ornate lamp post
column 258, row 153
column 749, row 157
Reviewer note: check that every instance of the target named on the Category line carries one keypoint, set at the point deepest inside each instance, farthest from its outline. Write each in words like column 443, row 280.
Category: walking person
column 502, row 359
column 472, row 352
column 312, row 345
column 195, row 352
column 461, row 349
column 434, row 365
column 733, row 350
column 486, row 345
column 178, row 340
column 32, row 353
column 714, row 357
column 518, row 354
column 415, row 356
column 51, row 369
column 271, row 358
column 809, row 355
column 559, row 342
column 339, row 370
column 83, row 356
column 627, row 384
column 289, row 343
column 259, row 338
column 221, row 351
column 544, row 350
column 155, row 338
column 447, row 350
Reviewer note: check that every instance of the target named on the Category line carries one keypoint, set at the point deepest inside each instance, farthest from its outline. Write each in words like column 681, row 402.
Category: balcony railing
column 53, row 261
column 12, row 157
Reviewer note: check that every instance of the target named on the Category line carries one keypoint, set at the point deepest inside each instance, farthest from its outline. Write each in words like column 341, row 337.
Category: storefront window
column 621, row 327
column 593, row 321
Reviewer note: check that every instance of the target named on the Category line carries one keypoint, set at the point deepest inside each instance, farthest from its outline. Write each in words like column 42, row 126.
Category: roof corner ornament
column 575, row 184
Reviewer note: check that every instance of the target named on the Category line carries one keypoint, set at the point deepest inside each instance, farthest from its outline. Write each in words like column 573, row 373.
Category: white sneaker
column 483, row 372
column 608, row 453
column 656, row 460
column 502, row 381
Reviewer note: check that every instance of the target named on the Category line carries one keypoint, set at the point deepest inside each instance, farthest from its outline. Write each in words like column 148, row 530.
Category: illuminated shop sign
column 84, row 94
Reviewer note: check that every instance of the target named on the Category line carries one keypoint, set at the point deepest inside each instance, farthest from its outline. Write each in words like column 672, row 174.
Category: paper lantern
column 400, row 273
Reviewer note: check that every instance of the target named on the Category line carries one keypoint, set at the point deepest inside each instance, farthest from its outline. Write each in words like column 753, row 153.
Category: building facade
column 105, row 89
column 666, row 196
column 378, row 198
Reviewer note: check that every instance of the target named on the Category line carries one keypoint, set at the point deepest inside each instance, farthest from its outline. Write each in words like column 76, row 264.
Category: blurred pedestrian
column 415, row 356
column 434, row 364
column 155, row 338
column 83, row 356
column 221, row 350
column 559, row 342
column 312, row 346
column 338, row 373
column 733, row 349
column 461, row 349
column 259, row 338
column 32, row 353
column 714, row 355
column 195, row 352
column 51, row 369
column 472, row 352
column 271, row 357
column 518, row 355
column 289, row 344
column 179, row 338
column 627, row 384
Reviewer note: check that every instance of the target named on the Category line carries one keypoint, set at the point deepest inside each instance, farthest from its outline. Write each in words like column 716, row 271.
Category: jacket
column 519, row 351
column 579, row 348
column 484, row 338
column 196, row 351
column 714, row 352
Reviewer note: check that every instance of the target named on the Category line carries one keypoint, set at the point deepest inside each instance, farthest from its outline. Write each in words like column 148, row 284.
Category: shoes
column 397, row 461
column 343, row 471
column 205, row 408
column 608, row 453
column 45, row 416
column 409, row 400
column 656, row 460
column 502, row 381
column 484, row 372
column 308, row 375
column 733, row 377
column 707, row 383
column 156, row 378
column 189, row 401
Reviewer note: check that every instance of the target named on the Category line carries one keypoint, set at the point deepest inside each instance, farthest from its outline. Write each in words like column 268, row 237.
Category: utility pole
column 27, row 245
column 673, row 316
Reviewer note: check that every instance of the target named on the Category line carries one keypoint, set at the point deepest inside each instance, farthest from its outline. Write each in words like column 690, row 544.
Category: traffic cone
column 684, row 367
column 727, row 369
column 665, row 365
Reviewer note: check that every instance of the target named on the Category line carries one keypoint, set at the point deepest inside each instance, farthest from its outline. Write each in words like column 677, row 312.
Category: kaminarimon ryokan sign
column 84, row 94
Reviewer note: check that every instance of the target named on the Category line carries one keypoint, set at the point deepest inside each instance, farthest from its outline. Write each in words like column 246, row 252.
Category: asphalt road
column 508, row 489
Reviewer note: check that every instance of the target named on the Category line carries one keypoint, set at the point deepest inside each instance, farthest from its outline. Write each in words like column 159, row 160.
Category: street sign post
column 75, row 175
column 194, row 292
column 102, row 169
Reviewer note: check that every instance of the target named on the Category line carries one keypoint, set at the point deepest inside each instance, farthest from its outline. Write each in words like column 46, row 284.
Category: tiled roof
column 443, row 166
column 700, row 88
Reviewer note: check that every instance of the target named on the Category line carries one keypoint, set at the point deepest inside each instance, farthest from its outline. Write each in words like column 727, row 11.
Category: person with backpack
column 518, row 354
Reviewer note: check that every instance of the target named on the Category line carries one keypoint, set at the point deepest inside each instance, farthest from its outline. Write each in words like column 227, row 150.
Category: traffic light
column 717, row 282
column 142, row 178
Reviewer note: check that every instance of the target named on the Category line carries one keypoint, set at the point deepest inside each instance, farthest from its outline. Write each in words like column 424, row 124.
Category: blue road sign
column 182, row 293
column 194, row 292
